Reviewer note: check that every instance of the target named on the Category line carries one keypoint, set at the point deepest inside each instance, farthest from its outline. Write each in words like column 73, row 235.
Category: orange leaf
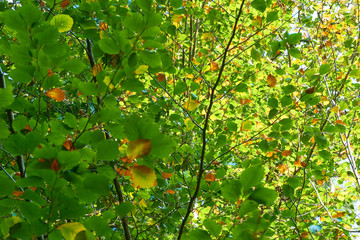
column 55, row 165
column 50, row 73
column 282, row 168
column 340, row 122
column 103, row 26
column 304, row 234
column 210, row 177
column 69, row 145
column 56, row 93
column 269, row 154
column 338, row 214
column 191, row 105
column 161, row 77
column 286, row 153
column 271, row 80
column 166, row 175
column 18, row 193
column 28, row 128
column 143, row 177
column 96, row 69
column 299, row 164
column 190, row 76
column 64, row 3
column 320, row 182
column 170, row 191
column 214, row 66
column 138, row 148
column 314, row 121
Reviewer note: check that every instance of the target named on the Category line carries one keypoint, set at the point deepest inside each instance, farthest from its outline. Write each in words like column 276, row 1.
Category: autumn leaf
column 310, row 90
column 269, row 154
column 143, row 177
column 108, row 83
column 177, row 19
column 55, row 165
column 103, row 26
column 282, row 167
column 138, row 148
column 166, row 175
column 56, row 93
column 246, row 126
column 286, row 153
column 299, row 164
column 70, row 230
column 141, row 69
column 170, row 191
column 271, row 80
column 18, row 193
column 50, row 73
column 191, row 105
column 161, row 77
column 69, row 145
column 210, row 177
column 214, row 66
column 189, row 124
column 64, row 3
column 96, row 69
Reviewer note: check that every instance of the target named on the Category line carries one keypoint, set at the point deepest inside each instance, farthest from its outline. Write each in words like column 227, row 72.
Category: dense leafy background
column 172, row 119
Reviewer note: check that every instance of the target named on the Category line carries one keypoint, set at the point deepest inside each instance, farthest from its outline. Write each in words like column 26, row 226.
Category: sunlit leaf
column 286, row 153
column 70, row 230
column 143, row 177
column 138, row 148
column 96, row 69
column 282, row 168
column 141, row 69
column 189, row 124
column 214, row 66
column 191, row 105
column 63, row 22
column 56, row 93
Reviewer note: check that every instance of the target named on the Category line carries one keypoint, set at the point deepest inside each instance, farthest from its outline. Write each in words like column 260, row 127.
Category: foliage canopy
column 172, row 119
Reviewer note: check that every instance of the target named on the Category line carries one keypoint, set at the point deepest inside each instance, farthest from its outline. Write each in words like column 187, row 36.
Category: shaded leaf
column 138, row 148
column 70, row 230
column 143, row 177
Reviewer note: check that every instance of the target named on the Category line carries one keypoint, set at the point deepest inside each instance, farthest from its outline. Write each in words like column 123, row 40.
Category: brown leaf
column 310, row 90
column 271, row 80
column 161, row 77
column 64, row 3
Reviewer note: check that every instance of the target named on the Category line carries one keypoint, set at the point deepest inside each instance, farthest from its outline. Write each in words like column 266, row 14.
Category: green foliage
column 174, row 119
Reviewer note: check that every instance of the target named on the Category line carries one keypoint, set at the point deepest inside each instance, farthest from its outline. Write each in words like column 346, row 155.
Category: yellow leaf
column 191, row 105
column 142, row 203
column 271, row 80
column 141, row 69
column 63, row 22
column 189, row 124
column 190, row 76
column 177, row 19
column 138, row 148
column 70, row 230
column 299, row 164
column 335, row 109
column 108, row 83
column 282, row 168
column 143, row 177
column 347, row 226
column 96, row 69
column 56, row 93
column 269, row 154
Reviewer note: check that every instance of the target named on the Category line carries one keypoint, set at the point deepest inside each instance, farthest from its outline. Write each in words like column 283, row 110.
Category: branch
column 124, row 222
column 207, row 117
column 10, row 114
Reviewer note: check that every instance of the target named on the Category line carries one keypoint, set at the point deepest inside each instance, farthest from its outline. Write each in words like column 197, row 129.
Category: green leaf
column 176, row 3
column 286, row 101
column 197, row 234
column 7, row 186
column 124, row 208
column 70, row 230
column 4, row 129
column 264, row 196
column 107, row 150
column 255, row 54
column 97, row 184
column 294, row 38
column 247, row 207
column 294, row 52
column 259, row 5
column 231, row 189
column 273, row 102
column 75, row 66
column 286, row 124
column 213, row 227
column 6, row 97
column 272, row 16
column 108, row 45
column 251, row 177
column 63, row 22
column 324, row 68
column 321, row 141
